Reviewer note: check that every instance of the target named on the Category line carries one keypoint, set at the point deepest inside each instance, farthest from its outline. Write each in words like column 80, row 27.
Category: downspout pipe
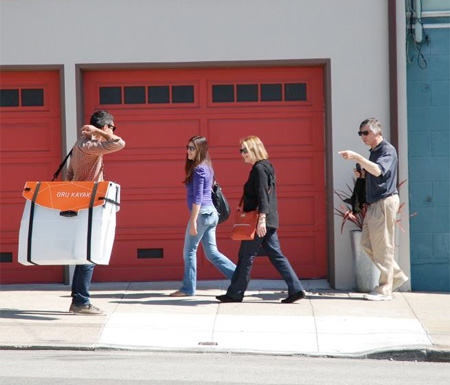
column 399, row 122
column 418, row 31
column 393, row 86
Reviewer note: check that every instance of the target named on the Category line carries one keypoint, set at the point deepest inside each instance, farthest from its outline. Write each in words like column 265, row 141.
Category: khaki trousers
column 378, row 241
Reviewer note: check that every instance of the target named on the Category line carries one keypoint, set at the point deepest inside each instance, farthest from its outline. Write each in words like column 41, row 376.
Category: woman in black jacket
column 260, row 193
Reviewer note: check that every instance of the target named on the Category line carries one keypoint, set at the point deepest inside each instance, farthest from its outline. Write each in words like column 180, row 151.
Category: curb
column 422, row 354
column 419, row 353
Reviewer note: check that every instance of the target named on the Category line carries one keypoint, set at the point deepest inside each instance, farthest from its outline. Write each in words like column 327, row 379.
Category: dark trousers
column 81, row 284
column 248, row 251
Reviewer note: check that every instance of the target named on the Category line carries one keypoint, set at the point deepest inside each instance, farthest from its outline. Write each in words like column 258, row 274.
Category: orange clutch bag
column 244, row 227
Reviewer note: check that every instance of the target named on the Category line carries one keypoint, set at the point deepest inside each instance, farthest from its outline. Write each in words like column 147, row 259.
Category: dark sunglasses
column 190, row 148
column 112, row 127
column 365, row 133
column 243, row 151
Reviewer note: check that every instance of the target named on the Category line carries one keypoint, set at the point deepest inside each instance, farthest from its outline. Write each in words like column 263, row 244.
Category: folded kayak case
column 68, row 223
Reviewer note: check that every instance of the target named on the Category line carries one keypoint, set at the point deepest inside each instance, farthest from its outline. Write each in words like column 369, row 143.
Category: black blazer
column 260, row 192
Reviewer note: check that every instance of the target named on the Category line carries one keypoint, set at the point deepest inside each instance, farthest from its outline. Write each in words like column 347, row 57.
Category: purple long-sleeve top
column 199, row 189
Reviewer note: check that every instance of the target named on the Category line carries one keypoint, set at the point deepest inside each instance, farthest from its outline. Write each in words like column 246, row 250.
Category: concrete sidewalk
column 142, row 316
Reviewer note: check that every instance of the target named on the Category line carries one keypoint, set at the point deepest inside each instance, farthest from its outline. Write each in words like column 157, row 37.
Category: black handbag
column 358, row 198
column 220, row 202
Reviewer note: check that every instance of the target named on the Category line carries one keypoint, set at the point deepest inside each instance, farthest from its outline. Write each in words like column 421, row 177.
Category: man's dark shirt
column 385, row 156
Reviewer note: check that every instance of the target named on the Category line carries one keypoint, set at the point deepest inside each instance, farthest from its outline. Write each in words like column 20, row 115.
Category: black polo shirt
column 380, row 187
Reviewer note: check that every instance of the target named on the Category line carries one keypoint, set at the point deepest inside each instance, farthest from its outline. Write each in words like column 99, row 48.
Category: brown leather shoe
column 178, row 293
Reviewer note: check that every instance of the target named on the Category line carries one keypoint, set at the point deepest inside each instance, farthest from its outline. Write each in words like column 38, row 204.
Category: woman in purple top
column 204, row 217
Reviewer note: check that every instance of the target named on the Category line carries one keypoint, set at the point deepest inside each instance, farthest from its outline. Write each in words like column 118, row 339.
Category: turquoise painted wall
column 436, row 5
column 428, row 77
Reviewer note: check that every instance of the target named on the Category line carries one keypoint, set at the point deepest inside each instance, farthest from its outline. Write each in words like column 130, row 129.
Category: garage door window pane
column 9, row 98
column 182, row 94
column 150, row 253
column 295, row 92
column 6, row 257
column 247, row 92
column 134, row 95
column 158, row 94
column 33, row 97
column 271, row 92
column 223, row 93
column 110, row 95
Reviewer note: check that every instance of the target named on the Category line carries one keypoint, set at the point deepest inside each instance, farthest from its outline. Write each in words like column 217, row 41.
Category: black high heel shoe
column 226, row 298
column 295, row 297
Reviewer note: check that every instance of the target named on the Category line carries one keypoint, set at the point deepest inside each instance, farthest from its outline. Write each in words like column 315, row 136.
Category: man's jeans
column 81, row 283
column 248, row 251
column 206, row 233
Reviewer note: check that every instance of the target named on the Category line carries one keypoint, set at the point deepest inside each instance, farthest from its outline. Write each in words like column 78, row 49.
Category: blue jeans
column 81, row 283
column 247, row 253
column 206, row 233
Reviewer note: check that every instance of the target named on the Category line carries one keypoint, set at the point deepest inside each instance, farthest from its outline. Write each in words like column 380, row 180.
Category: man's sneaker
column 398, row 283
column 85, row 310
column 374, row 296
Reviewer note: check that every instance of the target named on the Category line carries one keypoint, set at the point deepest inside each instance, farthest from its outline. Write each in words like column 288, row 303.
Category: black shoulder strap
column 90, row 214
column 56, row 174
column 241, row 202
column 30, row 223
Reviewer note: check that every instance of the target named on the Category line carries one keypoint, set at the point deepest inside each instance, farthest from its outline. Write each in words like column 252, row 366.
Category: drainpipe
column 393, row 86
column 398, row 121
column 418, row 32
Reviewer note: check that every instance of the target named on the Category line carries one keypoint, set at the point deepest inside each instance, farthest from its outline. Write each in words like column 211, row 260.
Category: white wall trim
column 404, row 257
column 433, row 26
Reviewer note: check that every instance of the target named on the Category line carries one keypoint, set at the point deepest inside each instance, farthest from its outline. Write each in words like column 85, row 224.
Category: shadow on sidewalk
column 337, row 295
column 169, row 302
column 129, row 295
column 33, row 315
column 121, row 295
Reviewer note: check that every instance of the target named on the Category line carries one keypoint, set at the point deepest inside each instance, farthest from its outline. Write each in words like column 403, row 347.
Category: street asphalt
column 142, row 316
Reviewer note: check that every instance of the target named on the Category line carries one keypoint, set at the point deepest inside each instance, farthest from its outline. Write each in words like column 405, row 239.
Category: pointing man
column 378, row 233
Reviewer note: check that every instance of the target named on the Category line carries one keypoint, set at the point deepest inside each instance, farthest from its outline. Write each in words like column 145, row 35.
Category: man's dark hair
column 374, row 125
column 100, row 118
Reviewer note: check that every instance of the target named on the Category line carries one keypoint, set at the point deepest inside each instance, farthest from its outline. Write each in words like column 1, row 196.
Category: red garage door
column 30, row 149
column 157, row 111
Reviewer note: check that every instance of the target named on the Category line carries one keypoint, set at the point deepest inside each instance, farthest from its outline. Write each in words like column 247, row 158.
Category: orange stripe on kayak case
column 65, row 196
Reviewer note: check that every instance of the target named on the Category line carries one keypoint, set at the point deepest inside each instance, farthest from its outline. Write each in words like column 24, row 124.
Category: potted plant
column 345, row 209
column 366, row 273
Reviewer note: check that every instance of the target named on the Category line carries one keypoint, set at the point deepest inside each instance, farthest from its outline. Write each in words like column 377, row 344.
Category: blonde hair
column 255, row 148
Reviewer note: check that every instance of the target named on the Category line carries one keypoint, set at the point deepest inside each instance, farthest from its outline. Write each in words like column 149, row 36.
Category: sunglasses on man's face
column 112, row 127
column 243, row 151
column 365, row 133
column 190, row 148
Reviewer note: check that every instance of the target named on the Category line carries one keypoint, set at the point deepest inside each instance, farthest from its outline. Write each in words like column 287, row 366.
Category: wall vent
column 150, row 253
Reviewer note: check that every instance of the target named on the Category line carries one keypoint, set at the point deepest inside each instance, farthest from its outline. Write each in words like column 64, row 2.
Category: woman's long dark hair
column 201, row 156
